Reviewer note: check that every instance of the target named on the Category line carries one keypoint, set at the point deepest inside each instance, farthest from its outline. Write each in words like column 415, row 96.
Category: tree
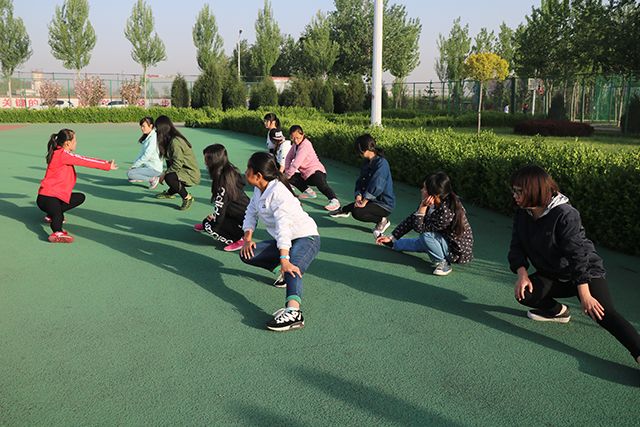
column 483, row 67
column 268, row 39
column 401, row 53
column 247, row 63
column 234, row 93
column 290, row 59
column 148, row 49
column 453, row 51
column 207, row 89
column 15, row 45
column 208, row 42
column 179, row 92
column 352, row 28
column 319, row 51
column 71, row 35
column 484, row 41
column 505, row 43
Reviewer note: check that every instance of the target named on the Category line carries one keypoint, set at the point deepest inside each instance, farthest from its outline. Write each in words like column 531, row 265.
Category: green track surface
column 144, row 321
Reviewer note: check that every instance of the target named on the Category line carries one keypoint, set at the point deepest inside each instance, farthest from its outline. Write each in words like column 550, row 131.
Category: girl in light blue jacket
column 147, row 167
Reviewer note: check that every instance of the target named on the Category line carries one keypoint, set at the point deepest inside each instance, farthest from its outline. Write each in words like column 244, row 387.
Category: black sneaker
column 339, row 213
column 286, row 319
column 279, row 282
column 543, row 316
column 186, row 203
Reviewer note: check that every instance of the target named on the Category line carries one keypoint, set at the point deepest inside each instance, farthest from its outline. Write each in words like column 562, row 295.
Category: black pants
column 175, row 185
column 545, row 290
column 372, row 212
column 55, row 208
column 318, row 179
column 227, row 232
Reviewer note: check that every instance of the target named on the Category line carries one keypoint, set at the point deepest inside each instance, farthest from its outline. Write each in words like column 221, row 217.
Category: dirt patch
column 10, row 127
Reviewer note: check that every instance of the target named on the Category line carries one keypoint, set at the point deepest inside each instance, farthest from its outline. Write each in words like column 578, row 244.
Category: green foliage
column 264, row 94
column 480, row 166
column 319, row 51
column 302, row 92
column 557, row 110
column 234, row 93
column 208, row 42
column 349, row 95
column 453, row 51
column 321, row 94
column 352, row 27
column 505, row 44
column 630, row 121
column 401, row 53
column 268, row 38
column 289, row 60
column 286, row 98
column 71, row 35
column 147, row 49
column 484, row 41
column 179, row 92
column 15, row 45
column 207, row 89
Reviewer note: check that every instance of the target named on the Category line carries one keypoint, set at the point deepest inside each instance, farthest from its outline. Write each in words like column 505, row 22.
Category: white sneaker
column 153, row 182
column 334, row 205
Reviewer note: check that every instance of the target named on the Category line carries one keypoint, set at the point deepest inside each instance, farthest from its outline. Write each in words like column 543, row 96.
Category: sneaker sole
column 297, row 325
column 341, row 215
column 537, row 318
column 60, row 240
column 442, row 273
column 231, row 250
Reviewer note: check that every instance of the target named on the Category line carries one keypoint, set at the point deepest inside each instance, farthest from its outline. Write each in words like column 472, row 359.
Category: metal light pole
column 376, row 74
column 239, row 34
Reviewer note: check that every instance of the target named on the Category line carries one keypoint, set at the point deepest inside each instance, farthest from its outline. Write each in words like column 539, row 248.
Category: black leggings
column 228, row 232
column 372, row 212
column 55, row 208
column 175, row 185
column 546, row 289
column 318, row 179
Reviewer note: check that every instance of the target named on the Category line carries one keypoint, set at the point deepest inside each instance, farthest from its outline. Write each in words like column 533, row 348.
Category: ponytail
column 457, row 226
column 57, row 140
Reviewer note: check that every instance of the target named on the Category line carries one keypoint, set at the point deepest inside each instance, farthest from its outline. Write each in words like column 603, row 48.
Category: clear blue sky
column 175, row 18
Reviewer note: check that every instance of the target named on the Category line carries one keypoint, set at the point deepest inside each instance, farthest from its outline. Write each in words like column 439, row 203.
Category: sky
column 174, row 21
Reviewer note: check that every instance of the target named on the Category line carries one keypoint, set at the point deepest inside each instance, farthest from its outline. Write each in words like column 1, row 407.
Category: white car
column 117, row 104
column 58, row 104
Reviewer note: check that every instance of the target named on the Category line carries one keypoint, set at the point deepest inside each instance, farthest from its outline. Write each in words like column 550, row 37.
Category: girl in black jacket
column 548, row 233
column 228, row 198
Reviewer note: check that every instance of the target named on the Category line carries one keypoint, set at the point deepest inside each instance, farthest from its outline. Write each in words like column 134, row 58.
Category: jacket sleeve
column 378, row 180
column 149, row 151
column 404, row 227
column 251, row 214
column 176, row 155
column 517, row 256
column 570, row 238
column 89, row 162
column 288, row 170
column 300, row 158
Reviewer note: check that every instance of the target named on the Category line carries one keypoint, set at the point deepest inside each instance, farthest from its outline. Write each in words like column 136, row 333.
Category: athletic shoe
column 286, row 319
column 334, row 204
column 134, row 181
column 308, row 194
column 442, row 268
column 198, row 227
column 60, row 237
column 279, row 282
column 543, row 316
column 235, row 246
column 186, row 203
column 153, row 182
column 339, row 213
column 165, row 195
column 381, row 227
column 47, row 219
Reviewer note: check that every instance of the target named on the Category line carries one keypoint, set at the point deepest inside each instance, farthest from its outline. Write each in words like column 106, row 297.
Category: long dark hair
column 166, row 132
column 57, row 140
column 148, row 120
column 439, row 186
column 272, row 118
column 366, row 142
column 222, row 172
column 265, row 164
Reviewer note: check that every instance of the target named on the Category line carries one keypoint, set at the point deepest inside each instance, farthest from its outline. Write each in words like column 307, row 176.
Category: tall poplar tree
column 15, row 45
column 71, row 35
column 148, row 49
column 208, row 42
column 268, row 38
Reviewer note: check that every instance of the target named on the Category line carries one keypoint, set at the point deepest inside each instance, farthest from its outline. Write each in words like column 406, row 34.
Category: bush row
column 391, row 119
column 551, row 127
column 605, row 187
column 101, row 114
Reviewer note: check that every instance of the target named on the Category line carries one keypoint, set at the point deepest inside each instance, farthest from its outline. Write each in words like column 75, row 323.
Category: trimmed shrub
column 556, row 109
column 179, row 92
column 234, row 94
column 286, row 98
column 325, row 101
column 349, row 95
column 207, row 89
column 553, row 128
column 301, row 89
column 264, row 94
column 630, row 120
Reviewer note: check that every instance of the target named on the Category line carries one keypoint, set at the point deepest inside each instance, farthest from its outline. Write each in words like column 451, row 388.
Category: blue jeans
column 142, row 174
column 433, row 243
column 303, row 250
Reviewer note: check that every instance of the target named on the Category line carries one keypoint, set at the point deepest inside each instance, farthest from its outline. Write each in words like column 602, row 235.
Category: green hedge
column 604, row 186
column 101, row 114
column 415, row 120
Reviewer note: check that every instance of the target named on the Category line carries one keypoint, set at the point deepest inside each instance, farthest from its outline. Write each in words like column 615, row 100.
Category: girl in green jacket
column 182, row 169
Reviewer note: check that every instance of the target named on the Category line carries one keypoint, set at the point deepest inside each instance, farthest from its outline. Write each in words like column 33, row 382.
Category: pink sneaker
column 47, row 219
column 60, row 237
column 235, row 246
column 309, row 194
column 198, row 227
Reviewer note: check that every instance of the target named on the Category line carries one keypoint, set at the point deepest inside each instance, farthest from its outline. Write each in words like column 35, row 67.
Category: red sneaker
column 235, row 246
column 198, row 227
column 60, row 237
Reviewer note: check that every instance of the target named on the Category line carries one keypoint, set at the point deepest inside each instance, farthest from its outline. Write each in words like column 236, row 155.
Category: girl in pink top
column 303, row 169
